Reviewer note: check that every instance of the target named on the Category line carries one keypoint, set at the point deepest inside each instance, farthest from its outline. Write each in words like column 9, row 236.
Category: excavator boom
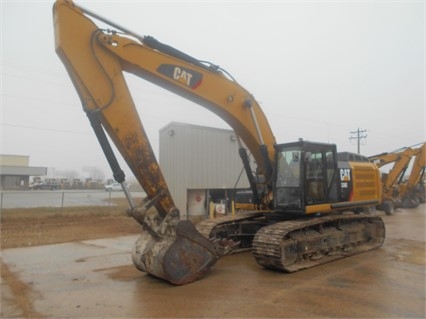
column 95, row 59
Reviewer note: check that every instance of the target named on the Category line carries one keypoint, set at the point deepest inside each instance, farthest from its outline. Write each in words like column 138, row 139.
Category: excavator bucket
column 180, row 258
column 172, row 249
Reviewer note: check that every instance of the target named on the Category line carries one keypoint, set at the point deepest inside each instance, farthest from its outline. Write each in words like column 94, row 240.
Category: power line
column 358, row 135
column 44, row 129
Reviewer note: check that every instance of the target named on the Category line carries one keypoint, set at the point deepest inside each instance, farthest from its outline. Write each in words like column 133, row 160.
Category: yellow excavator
column 302, row 190
column 412, row 191
column 396, row 192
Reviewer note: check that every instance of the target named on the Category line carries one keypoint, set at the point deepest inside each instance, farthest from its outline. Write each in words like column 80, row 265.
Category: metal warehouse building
column 15, row 172
column 202, row 168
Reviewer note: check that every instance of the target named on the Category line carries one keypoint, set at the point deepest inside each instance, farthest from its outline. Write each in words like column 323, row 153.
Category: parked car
column 43, row 186
column 114, row 187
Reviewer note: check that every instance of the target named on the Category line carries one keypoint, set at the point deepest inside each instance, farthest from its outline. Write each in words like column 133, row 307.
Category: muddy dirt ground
column 384, row 283
column 42, row 226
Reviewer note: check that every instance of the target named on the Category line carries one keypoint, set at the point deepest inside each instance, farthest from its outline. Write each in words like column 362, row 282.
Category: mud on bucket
column 180, row 257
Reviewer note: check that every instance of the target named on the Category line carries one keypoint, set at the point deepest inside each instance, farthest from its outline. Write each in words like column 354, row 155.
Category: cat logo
column 345, row 174
column 185, row 76
column 182, row 75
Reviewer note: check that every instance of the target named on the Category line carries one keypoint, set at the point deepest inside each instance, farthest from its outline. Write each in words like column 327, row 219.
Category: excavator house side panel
column 366, row 182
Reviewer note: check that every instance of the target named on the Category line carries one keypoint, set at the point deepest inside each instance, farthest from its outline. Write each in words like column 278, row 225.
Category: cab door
column 321, row 176
column 315, row 180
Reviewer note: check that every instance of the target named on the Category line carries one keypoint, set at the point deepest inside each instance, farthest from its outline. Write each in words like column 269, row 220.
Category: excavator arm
column 412, row 191
column 95, row 59
column 390, row 181
column 418, row 168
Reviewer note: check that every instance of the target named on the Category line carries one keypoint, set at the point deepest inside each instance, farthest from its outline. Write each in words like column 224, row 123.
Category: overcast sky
column 319, row 70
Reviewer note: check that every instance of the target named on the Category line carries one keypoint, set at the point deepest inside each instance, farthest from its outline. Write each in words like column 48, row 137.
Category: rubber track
column 294, row 245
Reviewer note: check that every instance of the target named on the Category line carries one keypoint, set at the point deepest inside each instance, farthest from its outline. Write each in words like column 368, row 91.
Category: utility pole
column 358, row 135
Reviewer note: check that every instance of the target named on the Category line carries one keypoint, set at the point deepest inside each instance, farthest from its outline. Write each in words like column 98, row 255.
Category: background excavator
column 396, row 191
column 412, row 191
column 301, row 190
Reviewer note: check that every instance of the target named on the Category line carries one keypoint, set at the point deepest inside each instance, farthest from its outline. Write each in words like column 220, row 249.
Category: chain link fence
column 61, row 198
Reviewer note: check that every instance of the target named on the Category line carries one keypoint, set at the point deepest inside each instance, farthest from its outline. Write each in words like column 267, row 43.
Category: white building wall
column 14, row 160
column 198, row 157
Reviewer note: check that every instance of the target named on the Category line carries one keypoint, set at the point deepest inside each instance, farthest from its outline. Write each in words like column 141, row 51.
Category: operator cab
column 306, row 175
